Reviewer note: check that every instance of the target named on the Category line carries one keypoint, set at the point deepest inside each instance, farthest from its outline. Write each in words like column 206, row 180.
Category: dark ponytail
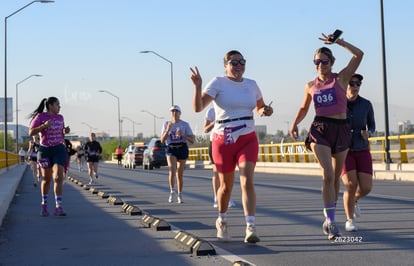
column 44, row 103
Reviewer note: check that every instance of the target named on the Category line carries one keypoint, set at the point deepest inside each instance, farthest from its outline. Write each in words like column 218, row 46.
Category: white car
column 133, row 156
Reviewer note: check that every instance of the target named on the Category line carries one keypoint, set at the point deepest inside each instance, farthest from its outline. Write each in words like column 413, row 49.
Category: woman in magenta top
column 52, row 153
column 329, row 135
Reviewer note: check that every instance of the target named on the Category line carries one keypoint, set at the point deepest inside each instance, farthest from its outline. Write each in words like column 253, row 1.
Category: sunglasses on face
column 323, row 61
column 235, row 62
column 355, row 83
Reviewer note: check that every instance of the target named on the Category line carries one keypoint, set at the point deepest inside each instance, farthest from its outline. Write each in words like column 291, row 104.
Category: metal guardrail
column 401, row 150
column 13, row 159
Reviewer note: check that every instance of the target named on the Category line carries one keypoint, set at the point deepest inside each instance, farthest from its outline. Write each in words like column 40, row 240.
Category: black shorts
column 179, row 150
column 92, row 159
column 334, row 133
column 49, row 156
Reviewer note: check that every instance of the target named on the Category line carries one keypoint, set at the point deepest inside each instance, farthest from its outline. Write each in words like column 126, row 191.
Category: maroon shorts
column 227, row 156
column 361, row 161
column 334, row 133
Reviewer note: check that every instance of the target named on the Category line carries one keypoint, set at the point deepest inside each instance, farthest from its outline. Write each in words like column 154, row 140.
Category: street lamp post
column 5, row 73
column 155, row 117
column 17, row 110
column 133, row 125
column 119, row 114
column 384, row 70
column 172, row 83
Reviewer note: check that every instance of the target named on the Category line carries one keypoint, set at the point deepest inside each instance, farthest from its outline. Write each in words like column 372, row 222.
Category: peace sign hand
column 196, row 78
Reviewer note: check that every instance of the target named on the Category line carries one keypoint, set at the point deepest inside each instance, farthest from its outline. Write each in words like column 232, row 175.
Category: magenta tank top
column 328, row 97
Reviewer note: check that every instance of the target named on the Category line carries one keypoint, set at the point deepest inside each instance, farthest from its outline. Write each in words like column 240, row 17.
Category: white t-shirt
column 233, row 100
column 172, row 136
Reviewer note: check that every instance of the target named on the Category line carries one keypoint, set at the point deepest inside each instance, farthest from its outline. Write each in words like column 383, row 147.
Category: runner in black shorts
column 93, row 152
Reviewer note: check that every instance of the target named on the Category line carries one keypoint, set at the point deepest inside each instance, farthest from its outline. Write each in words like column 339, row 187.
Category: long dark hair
column 44, row 103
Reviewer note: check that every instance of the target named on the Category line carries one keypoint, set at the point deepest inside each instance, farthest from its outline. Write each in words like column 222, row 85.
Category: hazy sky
column 83, row 46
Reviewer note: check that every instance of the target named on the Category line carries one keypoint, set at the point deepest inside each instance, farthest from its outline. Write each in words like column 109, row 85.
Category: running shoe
column 333, row 231
column 180, row 198
column 171, row 197
column 59, row 212
column 90, row 181
column 232, row 203
column 251, row 236
column 222, row 230
column 44, row 212
column 350, row 226
column 357, row 211
column 325, row 227
column 215, row 205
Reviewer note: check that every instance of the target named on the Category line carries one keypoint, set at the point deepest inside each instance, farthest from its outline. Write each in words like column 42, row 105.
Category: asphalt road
column 288, row 220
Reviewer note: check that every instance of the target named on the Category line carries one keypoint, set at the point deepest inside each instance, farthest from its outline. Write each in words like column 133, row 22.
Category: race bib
column 325, row 98
column 44, row 163
column 228, row 136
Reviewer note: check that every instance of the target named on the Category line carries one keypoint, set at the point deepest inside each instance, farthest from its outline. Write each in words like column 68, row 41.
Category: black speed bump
column 160, row 225
column 114, row 201
column 146, row 220
column 202, row 248
column 125, row 207
column 132, row 210
column 103, row 195
column 193, row 244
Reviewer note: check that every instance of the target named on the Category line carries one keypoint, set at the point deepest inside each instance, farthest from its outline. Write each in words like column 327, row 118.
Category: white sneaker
column 215, row 205
column 180, row 198
column 232, row 203
column 357, row 211
column 222, row 230
column 251, row 236
column 171, row 197
column 90, row 181
column 350, row 226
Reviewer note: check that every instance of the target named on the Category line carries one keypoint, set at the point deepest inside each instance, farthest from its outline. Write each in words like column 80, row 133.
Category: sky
column 83, row 46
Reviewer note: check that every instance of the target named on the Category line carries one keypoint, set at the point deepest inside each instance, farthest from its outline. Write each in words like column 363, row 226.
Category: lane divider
column 190, row 243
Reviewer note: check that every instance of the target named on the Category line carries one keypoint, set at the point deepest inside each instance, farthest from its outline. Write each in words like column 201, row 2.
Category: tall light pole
column 133, row 125
column 172, row 83
column 17, row 110
column 155, row 117
column 384, row 72
column 119, row 114
column 90, row 127
column 5, row 73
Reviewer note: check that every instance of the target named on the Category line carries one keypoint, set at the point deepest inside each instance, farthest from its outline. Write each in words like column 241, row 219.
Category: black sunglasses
column 355, row 83
column 235, row 62
column 323, row 61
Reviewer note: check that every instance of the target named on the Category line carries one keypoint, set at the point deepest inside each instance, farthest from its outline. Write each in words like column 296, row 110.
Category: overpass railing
column 401, row 151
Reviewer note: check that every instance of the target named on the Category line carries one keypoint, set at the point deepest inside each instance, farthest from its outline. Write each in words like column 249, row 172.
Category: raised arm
column 200, row 99
column 345, row 74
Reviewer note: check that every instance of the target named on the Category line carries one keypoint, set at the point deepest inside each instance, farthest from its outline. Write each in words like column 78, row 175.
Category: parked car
column 154, row 155
column 133, row 156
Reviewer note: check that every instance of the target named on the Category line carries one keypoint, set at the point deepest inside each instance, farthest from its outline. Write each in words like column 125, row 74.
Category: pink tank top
column 328, row 97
